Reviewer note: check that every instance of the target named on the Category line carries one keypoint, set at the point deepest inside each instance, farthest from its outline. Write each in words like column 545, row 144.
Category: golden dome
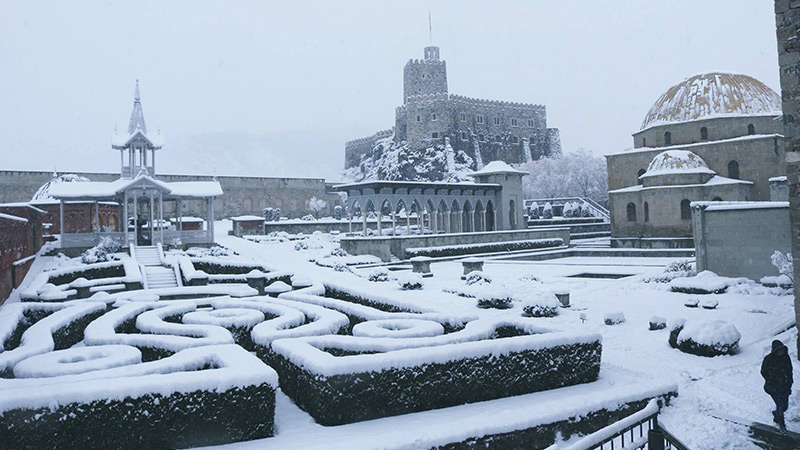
column 713, row 95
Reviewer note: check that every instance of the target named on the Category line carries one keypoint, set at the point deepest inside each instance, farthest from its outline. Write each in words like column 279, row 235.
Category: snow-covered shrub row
column 373, row 298
column 200, row 396
column 675, row 269
column 704, row 337
column 351, row 260
column 54, row 285
column 345, row 379
column 217, row 271
column 705, row 282
column 468, row 249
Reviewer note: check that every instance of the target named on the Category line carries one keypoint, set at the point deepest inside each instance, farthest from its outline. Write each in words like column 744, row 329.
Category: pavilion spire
column 137, row 115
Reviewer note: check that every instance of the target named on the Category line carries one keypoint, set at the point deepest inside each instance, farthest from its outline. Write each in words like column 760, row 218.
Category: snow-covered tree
column 784, row 263
column 338, row 212
column 578, row 174
column 316, row 205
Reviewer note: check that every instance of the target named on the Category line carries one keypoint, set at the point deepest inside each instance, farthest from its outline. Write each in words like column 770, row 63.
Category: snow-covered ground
column 633, row 356
column 635, row 360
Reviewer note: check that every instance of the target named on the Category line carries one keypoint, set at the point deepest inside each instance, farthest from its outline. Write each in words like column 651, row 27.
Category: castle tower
column 137, row 150
column 428, row 76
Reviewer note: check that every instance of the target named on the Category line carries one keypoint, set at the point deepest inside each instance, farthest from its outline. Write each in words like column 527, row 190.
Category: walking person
column 777, row 372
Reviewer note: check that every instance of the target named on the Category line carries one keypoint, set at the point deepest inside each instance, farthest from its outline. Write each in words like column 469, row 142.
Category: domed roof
column 712, row 95
column 43, row 194
column 677, row 161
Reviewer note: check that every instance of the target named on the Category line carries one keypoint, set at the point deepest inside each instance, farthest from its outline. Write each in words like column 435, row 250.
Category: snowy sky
column 279, row 86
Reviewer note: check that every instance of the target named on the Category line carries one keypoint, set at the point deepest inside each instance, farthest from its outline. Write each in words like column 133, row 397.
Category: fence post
column 655, row 437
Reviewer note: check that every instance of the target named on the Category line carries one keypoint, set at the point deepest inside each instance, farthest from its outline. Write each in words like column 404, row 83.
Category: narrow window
column 514, row 140
column 433, row 117
column 463, row 135
column 419, row 119
column 639, row 176
column 646, row 212
column 435, row 135
column 704, row 134
column 733, row 170
column 463, row 117
column 716, row 199
column 751, row 129
column 631, row 212
column 497, row 121
column 667, row 138
column 479, row 119
column 644, row 142
column 513, row 122
column 482, row 138
column 686, row 209
column 530, row 123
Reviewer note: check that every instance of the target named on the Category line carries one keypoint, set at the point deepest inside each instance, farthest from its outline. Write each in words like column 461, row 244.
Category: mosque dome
column 43, row 194
column 677, row 162
column 713, row 95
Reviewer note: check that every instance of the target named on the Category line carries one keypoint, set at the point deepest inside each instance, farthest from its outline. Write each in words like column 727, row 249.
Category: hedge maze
column 136, row 371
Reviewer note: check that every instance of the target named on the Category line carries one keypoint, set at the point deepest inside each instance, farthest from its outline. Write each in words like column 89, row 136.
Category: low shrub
column 101, row 252
column 614, row 318
column 705, row 282
column 477, row 278
column 410, row 281
column 705, row 337
column 657, row 323
column 540, row 304
column 378, row 275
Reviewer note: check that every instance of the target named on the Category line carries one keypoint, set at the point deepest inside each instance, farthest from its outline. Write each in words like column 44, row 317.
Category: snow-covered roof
column 246, row 218
column 716, row 180
column 122, row 140
column 107, row 189
column 778, row 179
column 376, row 185
column 43, row 193
column 15, row 218
column 730, row 206
column 676, row 161
column 496, row 167
column 713, row 95
column 187, row 219
column 751, row 137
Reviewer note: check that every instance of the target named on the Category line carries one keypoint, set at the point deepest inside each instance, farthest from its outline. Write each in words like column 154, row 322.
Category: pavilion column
column 96, row 228
column 125, row 218
column 135, row 220
column 446, row 219
column 61, row 229
column 160, row 212
column 420, row 222
column 472, row 220
column 364, row 217
column 211, row 218
column 495, row 219
column 394, row 222
column 350, row 222
column 408, row 222
column 461, row 221
column 179, row 203
column 152, row 218
column 380, row 219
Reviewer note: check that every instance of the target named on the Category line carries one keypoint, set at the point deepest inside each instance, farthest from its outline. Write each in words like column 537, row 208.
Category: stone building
column 730, row 122
column 486, row 130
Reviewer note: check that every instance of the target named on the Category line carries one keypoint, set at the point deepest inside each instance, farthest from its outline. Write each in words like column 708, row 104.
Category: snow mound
column 43, row 193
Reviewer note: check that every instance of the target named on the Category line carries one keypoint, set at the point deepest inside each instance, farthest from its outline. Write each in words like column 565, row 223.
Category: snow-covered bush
column 477, row 277
column 301, row 245
column 101, row 252
column 614, row 318
column 531, row 278
column 676, row 269
column 705, row 337
column 316, row 205
column 709, row 303
column 705, row 282
column 784, row 264
column 308, row 217
column 493, row 297
column 657, row 323
column 339, row 251
column 378, row 275
column 540, row 303
column 338, row 212
column 568, row 211
column 691, row 303
column 585, row 210
column 410, row 281
column 547, row 213
column 533, row 211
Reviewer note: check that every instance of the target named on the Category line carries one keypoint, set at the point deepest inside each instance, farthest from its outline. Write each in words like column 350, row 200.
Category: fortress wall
column 356, row 148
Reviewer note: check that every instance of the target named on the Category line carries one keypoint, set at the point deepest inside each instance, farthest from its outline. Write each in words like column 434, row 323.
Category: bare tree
column 578, row 174
column 316, row 205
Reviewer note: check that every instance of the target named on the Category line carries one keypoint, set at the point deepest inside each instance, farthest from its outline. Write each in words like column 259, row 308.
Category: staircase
column 156, row 274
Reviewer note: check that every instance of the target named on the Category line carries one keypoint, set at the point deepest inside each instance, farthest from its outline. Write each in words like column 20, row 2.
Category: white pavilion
column 139, row 194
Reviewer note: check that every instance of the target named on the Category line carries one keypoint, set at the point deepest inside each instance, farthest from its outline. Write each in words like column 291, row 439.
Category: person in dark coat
column 777, row 372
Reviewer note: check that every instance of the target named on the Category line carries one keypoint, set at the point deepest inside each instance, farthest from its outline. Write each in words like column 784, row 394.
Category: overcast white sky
column 295, row 79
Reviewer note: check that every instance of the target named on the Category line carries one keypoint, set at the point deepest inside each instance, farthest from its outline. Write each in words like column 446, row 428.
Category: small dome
column 713, row 95
column 43, row 194
column 677, row 162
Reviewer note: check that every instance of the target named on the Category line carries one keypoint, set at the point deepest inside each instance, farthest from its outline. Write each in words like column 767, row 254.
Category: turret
column 137, row 150
column 427, row 76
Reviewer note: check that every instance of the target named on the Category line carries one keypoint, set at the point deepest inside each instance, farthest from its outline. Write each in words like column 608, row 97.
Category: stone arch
column 751, row 129
column 479, row 217
column 490, row 222
column 386, row 207
column 467, row 223
column 631, row 212
column 113, row 222
column 703, row 134
column 716, row 199
column 733, row 169
column 686, row 209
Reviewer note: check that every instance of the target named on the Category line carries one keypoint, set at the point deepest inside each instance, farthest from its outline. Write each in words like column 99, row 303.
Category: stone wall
column 241, row 195
column 759, row 158
column 787, row 22
column 355, row 149
column 388, row 246
column 739, row 242
column 21, row 236
column 716, row 129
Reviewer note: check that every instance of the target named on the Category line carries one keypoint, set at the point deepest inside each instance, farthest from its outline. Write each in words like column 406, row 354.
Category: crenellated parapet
column 372, row 138
column 427, row 97
column 496, row 103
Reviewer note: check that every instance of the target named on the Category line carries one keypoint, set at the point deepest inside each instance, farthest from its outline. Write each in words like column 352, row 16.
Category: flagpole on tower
column 430, row 27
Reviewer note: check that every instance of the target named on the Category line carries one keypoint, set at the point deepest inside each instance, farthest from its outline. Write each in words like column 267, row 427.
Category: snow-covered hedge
column 540, row 303
column 705, row 282
column 200, row 396
column 489, row 247
column 704, row 337
column 345, row 379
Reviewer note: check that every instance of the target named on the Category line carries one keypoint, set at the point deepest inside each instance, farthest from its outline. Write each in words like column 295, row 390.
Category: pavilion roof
column 97, row 190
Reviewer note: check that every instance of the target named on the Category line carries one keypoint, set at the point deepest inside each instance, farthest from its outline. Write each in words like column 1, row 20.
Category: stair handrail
column 161, row 255
column 145, row 285
column 132, row 251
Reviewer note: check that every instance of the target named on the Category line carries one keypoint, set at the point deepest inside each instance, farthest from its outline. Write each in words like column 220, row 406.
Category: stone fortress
column 711, row 137
column 486, row 130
